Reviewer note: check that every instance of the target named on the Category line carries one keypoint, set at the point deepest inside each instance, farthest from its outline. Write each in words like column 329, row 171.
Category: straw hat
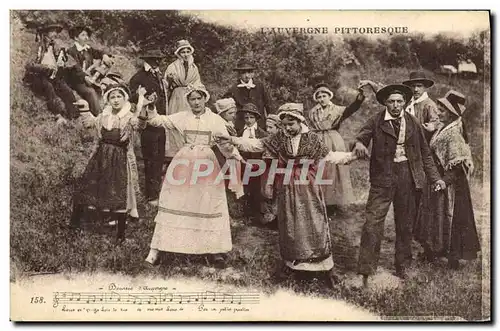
column 295, row 110
column 223, row 105
column 183, row 44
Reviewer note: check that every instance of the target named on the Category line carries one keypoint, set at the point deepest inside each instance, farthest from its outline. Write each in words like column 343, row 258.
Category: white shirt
column 249, row 131
column 248, row 85
column 81, row 48
column 400, row 154
column 411, row 107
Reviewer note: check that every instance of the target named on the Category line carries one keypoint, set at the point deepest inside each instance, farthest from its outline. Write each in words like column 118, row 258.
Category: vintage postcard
column 250, row 165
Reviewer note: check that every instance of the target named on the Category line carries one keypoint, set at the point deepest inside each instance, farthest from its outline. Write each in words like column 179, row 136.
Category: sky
column 455, row 22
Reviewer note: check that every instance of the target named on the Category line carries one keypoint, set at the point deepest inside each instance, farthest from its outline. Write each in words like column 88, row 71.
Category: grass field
column 46, row 159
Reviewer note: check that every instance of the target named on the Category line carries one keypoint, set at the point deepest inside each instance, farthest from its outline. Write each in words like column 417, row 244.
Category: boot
column 152, row 257
column 121, row 219
column 76, row 216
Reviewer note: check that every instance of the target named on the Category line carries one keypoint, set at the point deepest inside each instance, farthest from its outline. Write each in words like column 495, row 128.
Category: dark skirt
column 446, row 232
column 103, row 184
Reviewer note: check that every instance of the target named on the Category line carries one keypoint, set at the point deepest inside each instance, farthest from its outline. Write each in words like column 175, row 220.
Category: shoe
column 453, row 264
column 365, row 281
column 333, row 278
column 154, row 203
column 401, row 273
column 218, row 261
column 152, row 257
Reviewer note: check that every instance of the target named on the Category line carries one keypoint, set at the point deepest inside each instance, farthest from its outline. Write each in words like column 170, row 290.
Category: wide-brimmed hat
column 385, row 91
column 116, row 76
column 197, row 88
column 295, row 110
column 49, row 27
column 322, row 88
column 453, row 101
column 244, row 65
column 76, row 30
column 183, row 44
column 114, row 87
column 223, row 105
column 418, row 77
column 152, row 54
column 250, row 108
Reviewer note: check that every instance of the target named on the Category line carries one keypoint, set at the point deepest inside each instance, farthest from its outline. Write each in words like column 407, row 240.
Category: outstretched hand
column 222, row 138
column 360, row 151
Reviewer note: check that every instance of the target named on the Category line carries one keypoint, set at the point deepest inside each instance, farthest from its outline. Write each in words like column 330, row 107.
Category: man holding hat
column 153, row 139
column 247, row 90
column 84, row 55
column 421, row 106
column 46, row 78
column 400, row 161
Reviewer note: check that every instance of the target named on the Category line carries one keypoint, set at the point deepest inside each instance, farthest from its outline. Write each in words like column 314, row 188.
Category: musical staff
column 170, row 298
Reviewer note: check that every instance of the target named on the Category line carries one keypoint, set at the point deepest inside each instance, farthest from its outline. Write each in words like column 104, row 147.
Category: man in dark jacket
column 247, row 90
column 399, row 164
column 153, row 139
column 84, row 55
column 45, row 74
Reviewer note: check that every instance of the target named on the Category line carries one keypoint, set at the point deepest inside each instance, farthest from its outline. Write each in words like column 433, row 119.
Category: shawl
column 450, row 148
column 310, row 146
column 178, row 73
column 121, row 120
column 326, row 118
column 411, row 107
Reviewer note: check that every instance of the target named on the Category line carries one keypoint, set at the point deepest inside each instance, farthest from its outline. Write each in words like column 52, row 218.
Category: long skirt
column 109, row 181
column 450, row 229
column 192, row 217
column 304, row 232
column 340, row 192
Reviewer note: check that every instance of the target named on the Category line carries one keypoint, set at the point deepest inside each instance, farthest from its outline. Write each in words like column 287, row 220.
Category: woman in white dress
column 193, row 216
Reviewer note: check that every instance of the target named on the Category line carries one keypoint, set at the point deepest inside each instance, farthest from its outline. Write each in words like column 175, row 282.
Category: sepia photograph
column 232, row 165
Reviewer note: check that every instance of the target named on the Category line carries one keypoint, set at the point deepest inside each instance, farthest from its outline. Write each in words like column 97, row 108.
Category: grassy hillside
column 46, row 159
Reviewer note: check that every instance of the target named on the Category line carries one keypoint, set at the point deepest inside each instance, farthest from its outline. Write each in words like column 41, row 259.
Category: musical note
column 206, row 297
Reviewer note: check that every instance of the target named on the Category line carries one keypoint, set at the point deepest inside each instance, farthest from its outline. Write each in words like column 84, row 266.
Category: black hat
column 244, row 65
column 385, row 91
column 152, row 54
column 76, row 30
column 50, row 26
column 419, row 77
column 250, row 108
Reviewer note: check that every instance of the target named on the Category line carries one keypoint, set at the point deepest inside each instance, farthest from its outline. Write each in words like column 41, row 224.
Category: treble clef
column 56, row 300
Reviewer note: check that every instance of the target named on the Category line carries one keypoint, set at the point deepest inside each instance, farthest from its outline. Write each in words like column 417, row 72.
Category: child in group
column 252, row 189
